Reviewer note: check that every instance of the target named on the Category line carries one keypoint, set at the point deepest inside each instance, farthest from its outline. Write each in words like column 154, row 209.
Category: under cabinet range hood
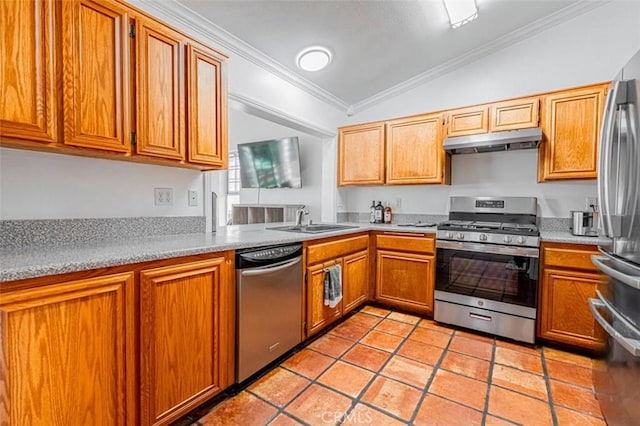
column 498, row 141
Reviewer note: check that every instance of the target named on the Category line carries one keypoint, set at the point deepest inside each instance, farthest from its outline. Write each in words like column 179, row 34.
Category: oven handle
column 489, row 248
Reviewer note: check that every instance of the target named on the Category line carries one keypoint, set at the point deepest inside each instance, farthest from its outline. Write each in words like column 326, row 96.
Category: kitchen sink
column 313, row 229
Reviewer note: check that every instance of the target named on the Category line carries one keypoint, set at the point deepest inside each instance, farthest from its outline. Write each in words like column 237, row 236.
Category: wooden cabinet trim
column 22, row 116
column 113, row 402
column 514, row 114
column 330, row 250
column 96, row 109
column 468, row 121
column 206, row 112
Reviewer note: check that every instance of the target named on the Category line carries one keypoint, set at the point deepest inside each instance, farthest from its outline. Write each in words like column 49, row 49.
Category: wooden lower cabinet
column 567, row 281
column 405, row 271
column 355, row 273
column 68, row 354
column 405, row 280
column 318, row 315
column 352, row 254
column 186, row 336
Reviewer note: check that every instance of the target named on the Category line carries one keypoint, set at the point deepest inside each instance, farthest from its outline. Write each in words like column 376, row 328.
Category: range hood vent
column 490, row 142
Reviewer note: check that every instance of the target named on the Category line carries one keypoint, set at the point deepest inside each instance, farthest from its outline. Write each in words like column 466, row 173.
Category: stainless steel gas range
column 487, row 266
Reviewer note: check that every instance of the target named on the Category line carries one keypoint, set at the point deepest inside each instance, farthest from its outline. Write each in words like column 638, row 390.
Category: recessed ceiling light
column 461, row 11
column 313, row 58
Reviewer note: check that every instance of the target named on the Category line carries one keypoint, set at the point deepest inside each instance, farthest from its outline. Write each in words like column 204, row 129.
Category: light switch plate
column 163, row 196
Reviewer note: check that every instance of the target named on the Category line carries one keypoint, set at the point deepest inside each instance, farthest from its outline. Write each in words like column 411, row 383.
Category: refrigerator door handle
column 630, row 280
column 631, row 345
column 606, row 135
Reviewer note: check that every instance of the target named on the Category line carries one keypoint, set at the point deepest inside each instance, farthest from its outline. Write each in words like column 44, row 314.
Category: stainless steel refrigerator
column 616, row 376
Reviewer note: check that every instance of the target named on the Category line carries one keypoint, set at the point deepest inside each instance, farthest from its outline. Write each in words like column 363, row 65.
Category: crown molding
column 513, row 37
column 172, row 11
column 267, row 112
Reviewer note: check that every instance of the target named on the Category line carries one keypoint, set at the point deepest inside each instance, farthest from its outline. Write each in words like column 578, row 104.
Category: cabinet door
column 514, row 114
column 565, row 316
column 355, row 285
column 318, row 315
column 414, row 150
column 206, row 107
column 185, row 337
column 405, row 280
column 67, row 353
column 160, row 91
column 95, row 62
column 361, row 154
column 571, row 129
column 468, row 121
column 27, row 74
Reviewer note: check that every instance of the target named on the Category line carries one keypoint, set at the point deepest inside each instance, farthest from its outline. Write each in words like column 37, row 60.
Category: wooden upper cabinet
column 206, row 107
column 160, row 91
column 67, row 353
column 516, row 114
column 571, row 129
column 95, row 58
column 361, row 154
column 186, row 342
column 468, row 121
column 28, row 107
column 414, row 150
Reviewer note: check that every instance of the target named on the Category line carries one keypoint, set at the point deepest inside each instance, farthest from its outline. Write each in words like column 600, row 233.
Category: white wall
column 590, row 48
column 37, row 185
column 247, row 128
column 511, row 173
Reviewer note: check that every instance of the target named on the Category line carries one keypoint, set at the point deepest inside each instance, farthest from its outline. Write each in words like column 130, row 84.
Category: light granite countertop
column 38, row 261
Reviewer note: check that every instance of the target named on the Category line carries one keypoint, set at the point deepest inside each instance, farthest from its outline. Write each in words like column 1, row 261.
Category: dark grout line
column 485, row 411
column 436, row 367
column 547, row 382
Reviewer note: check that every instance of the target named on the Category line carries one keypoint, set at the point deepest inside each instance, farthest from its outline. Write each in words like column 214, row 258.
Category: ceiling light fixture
column 314, row 58
column 461, row 11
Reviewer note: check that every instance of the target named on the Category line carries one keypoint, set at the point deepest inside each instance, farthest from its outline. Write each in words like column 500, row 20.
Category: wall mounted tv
column 270, row 164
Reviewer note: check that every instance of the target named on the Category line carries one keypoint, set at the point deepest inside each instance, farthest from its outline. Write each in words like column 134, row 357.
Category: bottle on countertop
column 372, row 212
column 379, row 213
column 387, row 214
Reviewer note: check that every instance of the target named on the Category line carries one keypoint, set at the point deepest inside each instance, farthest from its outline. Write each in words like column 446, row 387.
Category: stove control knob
column 507, row 238
column 522, row 240
column 483, row 237
column 460, row 236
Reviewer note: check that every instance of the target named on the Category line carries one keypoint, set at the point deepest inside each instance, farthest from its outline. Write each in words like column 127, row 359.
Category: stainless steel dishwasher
column 269, row 305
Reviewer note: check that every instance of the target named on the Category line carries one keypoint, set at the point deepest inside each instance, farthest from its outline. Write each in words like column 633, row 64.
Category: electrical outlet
column 591, row 201
column 193, row 198
column 398, row 202
column 163, row 196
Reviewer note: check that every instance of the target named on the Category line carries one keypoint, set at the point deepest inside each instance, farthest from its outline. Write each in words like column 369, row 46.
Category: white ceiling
column 380, row 46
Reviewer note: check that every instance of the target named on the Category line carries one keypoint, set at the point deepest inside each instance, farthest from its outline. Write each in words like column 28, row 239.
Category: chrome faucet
column 299, row 213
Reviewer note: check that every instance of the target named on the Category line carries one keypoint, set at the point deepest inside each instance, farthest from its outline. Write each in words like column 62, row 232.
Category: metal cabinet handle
column 631, row 345
column 630, row 280
column 480, row 317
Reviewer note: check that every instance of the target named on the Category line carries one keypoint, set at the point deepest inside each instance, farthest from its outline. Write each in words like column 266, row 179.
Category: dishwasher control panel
column 256, row 256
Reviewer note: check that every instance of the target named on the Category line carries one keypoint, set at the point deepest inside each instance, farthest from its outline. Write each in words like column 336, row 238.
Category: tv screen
column 270, row 164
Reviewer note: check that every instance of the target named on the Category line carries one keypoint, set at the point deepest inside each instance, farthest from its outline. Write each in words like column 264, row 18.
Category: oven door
column 491, row 272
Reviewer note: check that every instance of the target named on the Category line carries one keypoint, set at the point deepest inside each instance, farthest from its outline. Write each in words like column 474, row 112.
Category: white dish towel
column 333, row 286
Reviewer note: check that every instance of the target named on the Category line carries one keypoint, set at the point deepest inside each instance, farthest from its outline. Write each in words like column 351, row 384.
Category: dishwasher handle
column 271, row 268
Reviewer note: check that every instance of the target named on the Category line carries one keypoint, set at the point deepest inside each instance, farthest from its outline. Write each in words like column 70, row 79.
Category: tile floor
column 387, row 368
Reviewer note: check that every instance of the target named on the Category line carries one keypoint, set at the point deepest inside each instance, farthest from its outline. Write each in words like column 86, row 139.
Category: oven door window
column 504, row 278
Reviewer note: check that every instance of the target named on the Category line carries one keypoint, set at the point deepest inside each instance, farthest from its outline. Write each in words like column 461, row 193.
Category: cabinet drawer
column 332, row 249
column 405, row 242
column 567, row 257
